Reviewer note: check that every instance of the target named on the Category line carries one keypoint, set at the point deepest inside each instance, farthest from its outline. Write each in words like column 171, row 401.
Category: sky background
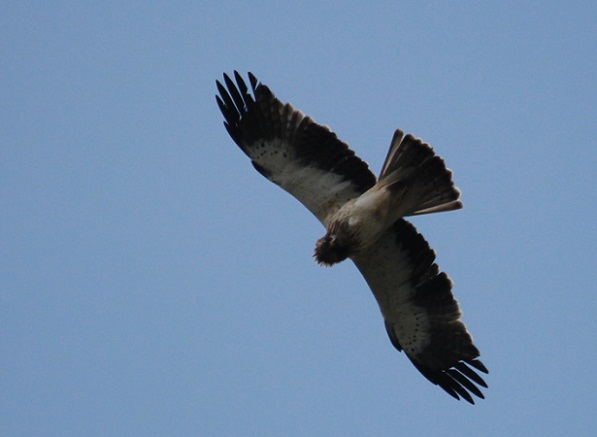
column 153, row 283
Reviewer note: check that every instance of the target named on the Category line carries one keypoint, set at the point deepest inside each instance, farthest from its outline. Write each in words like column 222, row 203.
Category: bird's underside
column 364, row 221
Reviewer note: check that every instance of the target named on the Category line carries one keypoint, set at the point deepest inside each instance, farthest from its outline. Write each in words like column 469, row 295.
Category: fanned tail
column 419, row 177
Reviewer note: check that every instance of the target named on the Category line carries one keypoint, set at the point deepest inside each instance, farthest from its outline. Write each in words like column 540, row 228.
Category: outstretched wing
column 311, row 163
column 290, row 149
column 422, row 317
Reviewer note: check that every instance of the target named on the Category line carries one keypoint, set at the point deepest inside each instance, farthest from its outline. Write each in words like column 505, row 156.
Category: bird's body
column 363, row 217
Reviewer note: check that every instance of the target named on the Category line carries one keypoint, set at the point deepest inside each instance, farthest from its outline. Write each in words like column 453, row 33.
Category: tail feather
column 419, row 177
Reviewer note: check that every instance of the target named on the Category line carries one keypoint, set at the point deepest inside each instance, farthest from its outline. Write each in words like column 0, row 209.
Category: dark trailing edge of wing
column 450, row 359
column 251, row 119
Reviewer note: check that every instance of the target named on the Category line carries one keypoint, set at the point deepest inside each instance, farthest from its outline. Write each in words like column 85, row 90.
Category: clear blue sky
column 152, row 283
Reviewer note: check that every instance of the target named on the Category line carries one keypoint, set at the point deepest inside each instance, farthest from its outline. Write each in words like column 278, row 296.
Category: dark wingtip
column 253, row 80
column 458, row 380
column 470, row 373
column 221, row 88
column 220, row 104
column 226, row 77
column 477, row 364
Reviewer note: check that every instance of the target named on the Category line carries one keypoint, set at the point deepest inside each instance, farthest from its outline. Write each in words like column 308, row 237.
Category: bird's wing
column 421, row 316
column 290, row 149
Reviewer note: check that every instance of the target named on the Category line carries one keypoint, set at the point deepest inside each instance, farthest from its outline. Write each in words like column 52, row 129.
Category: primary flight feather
column 363, row 217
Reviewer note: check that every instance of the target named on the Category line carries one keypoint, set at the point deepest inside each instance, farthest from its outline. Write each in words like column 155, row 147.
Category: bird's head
column 330, row 250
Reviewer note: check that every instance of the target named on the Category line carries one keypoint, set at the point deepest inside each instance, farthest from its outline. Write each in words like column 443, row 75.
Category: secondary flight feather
column 364, row 220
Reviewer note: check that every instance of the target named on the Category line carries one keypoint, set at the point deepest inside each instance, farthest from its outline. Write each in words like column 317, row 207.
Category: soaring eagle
column 363, row 217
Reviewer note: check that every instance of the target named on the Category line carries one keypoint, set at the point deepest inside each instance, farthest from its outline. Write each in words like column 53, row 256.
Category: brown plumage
column 363, row 217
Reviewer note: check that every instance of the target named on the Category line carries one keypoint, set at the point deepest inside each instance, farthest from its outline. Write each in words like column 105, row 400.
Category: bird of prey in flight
column 364, row 220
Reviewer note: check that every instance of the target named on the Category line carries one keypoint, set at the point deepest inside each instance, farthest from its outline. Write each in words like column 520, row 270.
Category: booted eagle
column 363, row 217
